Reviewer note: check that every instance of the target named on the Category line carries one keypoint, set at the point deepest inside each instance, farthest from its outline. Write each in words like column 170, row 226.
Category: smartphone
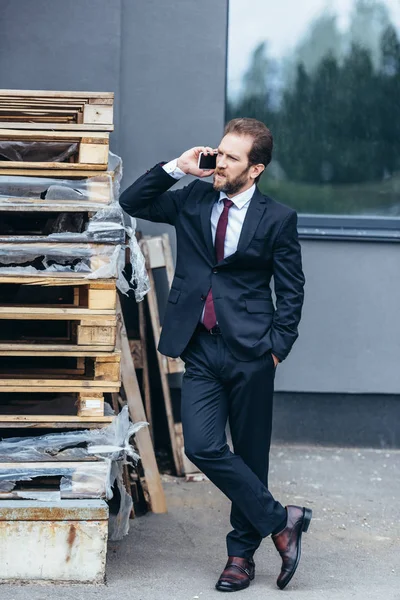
column 207, row 161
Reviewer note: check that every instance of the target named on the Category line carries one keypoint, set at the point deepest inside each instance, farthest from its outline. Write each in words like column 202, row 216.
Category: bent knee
column 201, row 453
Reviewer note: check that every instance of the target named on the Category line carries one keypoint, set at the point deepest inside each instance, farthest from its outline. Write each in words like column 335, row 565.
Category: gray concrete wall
column 350, row 331
column 165, row 61
column 61, row 45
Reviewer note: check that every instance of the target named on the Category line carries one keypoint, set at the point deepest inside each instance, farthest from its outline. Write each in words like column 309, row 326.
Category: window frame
column 349, row 227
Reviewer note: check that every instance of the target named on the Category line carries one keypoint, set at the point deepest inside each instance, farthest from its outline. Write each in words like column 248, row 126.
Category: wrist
column 181, row 165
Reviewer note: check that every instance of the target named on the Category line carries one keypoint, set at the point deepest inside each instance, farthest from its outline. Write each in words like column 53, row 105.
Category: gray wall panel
column 350, row 331
column 61, row 45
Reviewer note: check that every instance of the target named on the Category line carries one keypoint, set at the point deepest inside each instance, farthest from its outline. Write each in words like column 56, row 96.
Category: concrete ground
column 351, row 551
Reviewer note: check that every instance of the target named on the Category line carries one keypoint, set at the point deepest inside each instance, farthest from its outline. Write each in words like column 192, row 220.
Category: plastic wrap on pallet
column 108, row 225
column 103, row 188
column 140, row 279
column 37, row 151
column 109, row 444
column 59, row 258
column 105, row 226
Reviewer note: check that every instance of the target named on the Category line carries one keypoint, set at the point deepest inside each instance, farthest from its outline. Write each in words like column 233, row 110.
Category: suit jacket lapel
column 253, row 216
column 206, row 206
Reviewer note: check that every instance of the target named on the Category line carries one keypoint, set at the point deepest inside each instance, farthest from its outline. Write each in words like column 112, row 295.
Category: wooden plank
column 100, row 365
column 92, row 154
column 56, row 385
column 103, row 315
column 97, row 113
column 102, row 299
column 57, row 126
column 90, row 405
column 23, row 167
column 155, row 251
column 91, row 137
column 33, row 205
column 54, row 94
column 160, row 255
column 155, row 323
column 23, row 349
column 88, row 335
column 19, row 419
column 136, row 411
column 61, row 171
column 145, row 366
column 137, row 353
column 59, row 279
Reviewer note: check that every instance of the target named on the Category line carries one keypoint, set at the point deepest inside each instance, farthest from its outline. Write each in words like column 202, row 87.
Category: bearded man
column 222, row 321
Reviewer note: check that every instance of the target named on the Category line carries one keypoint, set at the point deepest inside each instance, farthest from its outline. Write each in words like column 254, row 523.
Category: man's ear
column 256, row 170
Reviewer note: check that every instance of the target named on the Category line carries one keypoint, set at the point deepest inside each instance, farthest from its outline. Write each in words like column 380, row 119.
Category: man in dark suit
column 221, row 319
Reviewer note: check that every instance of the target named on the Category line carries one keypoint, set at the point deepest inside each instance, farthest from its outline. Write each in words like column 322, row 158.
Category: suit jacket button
column 215, row 270
column 202, row 297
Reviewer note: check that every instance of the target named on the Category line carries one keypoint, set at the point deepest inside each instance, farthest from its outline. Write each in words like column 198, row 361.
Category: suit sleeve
column 148, row 197
column 289, row 287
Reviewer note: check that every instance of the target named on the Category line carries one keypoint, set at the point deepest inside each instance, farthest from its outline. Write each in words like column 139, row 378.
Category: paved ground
column 351, row 552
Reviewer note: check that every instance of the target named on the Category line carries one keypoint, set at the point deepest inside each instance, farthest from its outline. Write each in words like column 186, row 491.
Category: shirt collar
column 240, row 199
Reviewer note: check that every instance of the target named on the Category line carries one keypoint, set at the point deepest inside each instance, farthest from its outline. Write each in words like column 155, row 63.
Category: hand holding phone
column 207, row 161
column 189, row 161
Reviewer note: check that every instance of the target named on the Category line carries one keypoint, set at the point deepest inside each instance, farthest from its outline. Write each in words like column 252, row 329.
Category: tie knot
column 228, row 203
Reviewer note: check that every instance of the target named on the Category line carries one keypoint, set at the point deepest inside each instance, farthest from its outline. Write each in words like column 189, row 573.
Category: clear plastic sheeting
column 140, row 279
column 49, row 455
column 96, row 261
column 103, row 188
column 67, row 243
column 36, row 151
column 106, row 226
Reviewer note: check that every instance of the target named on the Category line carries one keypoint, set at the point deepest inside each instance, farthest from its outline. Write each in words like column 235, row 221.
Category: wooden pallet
column 52, row 404
column 93, row 255
column 65, row 292
column 89, row 150
column 31, row 226
column 61, row 171
column 52, row 422
column 81, row 478
column 58, row 368
column 24, row 193
column 57, row 328
column 21, row 109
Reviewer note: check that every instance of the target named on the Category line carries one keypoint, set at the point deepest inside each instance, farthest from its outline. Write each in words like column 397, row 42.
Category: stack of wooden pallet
column 58, row 317
column 61, row 238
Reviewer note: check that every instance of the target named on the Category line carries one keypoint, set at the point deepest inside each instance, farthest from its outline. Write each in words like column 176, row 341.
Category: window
column 325, row 78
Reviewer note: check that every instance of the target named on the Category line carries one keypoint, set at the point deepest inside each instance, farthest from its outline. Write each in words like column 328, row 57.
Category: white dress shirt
column 236, row 213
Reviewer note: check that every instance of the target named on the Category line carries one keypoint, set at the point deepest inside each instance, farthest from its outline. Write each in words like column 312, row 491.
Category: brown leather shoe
column 237, row 574
column 288, row 542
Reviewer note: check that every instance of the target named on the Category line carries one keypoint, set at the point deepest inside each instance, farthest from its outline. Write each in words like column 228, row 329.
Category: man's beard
column 231, row 187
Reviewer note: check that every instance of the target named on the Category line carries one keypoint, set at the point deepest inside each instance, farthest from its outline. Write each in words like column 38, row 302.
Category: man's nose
column 221, row 164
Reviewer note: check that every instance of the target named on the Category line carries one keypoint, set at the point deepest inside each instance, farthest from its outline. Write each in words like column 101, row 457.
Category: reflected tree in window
column 334, row 109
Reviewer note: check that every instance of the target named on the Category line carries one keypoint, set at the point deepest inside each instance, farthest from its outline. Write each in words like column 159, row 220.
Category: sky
column 282, row 23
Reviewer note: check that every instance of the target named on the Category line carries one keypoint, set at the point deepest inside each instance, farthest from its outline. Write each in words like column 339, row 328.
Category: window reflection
column 327, row 83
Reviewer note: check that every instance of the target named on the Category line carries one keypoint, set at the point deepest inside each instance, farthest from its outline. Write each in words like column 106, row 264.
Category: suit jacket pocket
column 259, row 306
column 174, row 295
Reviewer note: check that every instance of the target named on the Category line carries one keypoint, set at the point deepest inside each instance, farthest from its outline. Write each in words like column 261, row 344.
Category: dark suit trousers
column 216, row 388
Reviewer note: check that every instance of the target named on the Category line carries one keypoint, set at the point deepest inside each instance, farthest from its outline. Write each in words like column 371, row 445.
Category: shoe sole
column 222, row 588
column 307, row 516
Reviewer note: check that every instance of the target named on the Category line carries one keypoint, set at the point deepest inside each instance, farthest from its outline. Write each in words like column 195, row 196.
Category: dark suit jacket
column 268, row 246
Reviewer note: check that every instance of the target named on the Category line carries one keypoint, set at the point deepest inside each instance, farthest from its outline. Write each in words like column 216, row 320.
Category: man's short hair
column 263, row 142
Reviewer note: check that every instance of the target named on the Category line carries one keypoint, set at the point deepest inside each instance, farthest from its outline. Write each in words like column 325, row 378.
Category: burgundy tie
column 210, row 319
